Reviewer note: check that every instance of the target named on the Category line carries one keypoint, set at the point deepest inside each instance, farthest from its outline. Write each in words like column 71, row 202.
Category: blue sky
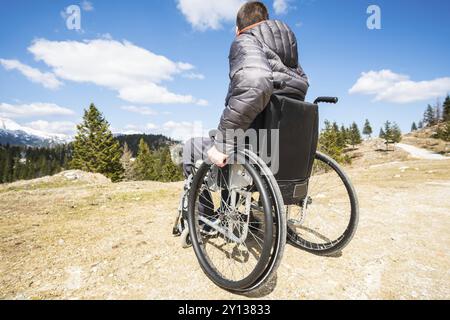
column 161, row 66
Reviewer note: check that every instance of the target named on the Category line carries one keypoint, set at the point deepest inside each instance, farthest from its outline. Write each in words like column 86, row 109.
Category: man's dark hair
column 250, row 13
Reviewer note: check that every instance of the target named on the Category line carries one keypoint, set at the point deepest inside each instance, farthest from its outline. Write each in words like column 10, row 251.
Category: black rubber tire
column 265, row 258
column 349, row 232
column 265, row 282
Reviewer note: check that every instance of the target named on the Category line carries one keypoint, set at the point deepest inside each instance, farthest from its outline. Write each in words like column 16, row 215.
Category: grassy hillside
column 79, row 236
column 423, row 138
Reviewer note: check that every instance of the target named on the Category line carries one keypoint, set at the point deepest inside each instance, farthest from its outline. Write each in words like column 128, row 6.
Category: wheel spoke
column 234, row 249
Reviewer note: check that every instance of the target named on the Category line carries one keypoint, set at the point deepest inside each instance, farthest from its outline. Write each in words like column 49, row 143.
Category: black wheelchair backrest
column 297, row 122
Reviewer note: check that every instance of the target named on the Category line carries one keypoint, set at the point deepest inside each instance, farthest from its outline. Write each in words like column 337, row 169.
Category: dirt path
column 78, row 240
column 420, row 153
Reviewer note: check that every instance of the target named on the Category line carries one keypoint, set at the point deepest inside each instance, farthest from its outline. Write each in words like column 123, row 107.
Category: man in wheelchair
column 263, row 53
column 263, row 56
column 235, row 211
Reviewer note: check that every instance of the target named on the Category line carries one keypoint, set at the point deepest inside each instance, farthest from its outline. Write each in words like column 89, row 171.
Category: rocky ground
column 78, row 236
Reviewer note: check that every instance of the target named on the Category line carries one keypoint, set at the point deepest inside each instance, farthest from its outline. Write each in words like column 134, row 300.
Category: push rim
column 231, row 262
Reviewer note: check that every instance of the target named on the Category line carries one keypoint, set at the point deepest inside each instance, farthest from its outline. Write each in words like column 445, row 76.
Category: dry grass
column 93, row 240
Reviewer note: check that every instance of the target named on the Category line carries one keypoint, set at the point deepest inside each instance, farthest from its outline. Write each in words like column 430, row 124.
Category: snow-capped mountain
column 16, row 134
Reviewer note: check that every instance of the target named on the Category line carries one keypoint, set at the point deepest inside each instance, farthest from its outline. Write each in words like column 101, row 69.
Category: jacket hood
column 279, row 38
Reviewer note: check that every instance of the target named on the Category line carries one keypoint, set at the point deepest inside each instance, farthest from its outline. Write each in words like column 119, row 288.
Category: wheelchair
column 238, row 218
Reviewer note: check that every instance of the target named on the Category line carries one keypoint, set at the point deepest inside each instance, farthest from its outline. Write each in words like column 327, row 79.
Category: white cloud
column 134, row 72
column 152, row 93
column 129, row 129
column 202, row 102
column 33, row 109
column 194, row 76
column 184, row 130
column 47, row 79
column 151, row 126
column 87, row 5
column 389, row 86
column 137, row 129
column 145, row 111
column 280, row 6
column 59, row 127
column 203, row 15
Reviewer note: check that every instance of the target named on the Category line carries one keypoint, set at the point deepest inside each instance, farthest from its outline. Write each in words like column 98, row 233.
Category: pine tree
column 388, row 130
column 335, row 127
column 342, row 137
column 429, row 117
column 143, row 163
column 367, row 129
column 413, row 127
column 396, row 133
column 387, row 134
column 2, row 164
column 328, row 143
column 444, row 133
column 420, row 125
column 8, row 166
column 95, row 148
column 438, row 112
column 355, row 135
column 127, row 163
column 170, row 172
column 446, row 109
column 382, row 134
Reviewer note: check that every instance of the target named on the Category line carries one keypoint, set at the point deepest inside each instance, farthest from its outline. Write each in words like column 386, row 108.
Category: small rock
column 61, row 242
column 71, row 175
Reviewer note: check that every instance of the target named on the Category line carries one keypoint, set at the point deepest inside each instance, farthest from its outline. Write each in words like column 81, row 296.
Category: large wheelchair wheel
column 326, row 220
column 237, row 223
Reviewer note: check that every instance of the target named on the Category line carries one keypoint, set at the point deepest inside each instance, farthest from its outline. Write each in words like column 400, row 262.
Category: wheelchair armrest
column 326, row 100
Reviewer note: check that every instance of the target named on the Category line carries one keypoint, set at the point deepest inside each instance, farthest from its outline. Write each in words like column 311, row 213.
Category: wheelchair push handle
column 326, row 100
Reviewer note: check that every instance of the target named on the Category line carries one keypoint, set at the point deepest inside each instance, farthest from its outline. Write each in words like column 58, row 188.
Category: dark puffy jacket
column 263, row 54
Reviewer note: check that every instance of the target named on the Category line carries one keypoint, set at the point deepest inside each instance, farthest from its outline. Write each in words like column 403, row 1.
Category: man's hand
column 217, row 157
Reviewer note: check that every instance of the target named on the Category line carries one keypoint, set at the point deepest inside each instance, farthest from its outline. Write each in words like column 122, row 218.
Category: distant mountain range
column 15, row 134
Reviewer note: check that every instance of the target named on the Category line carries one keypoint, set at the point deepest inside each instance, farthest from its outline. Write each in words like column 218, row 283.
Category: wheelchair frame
column 184, row 221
